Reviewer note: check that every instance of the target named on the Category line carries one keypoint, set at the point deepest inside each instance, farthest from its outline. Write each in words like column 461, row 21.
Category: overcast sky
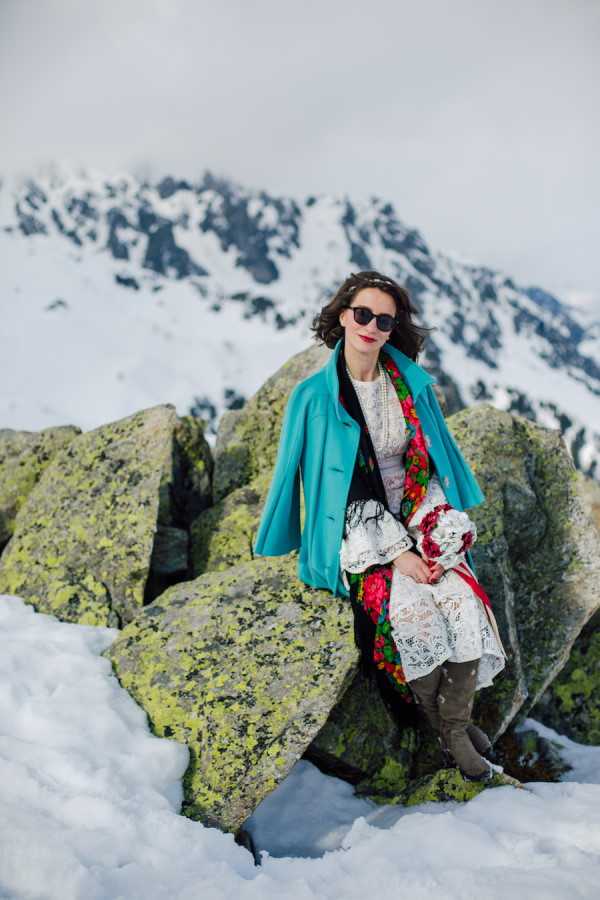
column 478, row 120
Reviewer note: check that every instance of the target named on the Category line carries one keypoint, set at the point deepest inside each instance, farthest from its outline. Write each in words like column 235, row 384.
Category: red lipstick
column 367, row 339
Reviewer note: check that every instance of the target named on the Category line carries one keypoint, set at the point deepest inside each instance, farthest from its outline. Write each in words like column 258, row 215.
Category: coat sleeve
column 279, row 527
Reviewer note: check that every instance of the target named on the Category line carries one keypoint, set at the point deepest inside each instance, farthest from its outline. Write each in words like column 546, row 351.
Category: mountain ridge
column 214, row 285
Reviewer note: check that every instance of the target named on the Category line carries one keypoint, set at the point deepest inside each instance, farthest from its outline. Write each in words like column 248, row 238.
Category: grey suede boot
column 473, row 743
column 455, row 703
column 480, row 741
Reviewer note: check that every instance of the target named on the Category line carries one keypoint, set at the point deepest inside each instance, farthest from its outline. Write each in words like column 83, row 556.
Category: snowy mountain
column 119, row 294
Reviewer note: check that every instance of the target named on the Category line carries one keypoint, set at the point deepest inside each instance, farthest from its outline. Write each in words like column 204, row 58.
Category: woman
column 385, row 489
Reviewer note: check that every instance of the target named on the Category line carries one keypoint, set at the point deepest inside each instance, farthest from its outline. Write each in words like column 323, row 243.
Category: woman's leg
column 455, row 703
column 479, row 738
column 425, row 689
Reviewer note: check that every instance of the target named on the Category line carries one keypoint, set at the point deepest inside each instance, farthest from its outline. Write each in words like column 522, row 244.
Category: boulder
column 364, row 743
column 23, row 457
column 571, row 704
column 537, row 553
column 85, row 544
column 442, row 786
column 223, row 535
column 244, row 667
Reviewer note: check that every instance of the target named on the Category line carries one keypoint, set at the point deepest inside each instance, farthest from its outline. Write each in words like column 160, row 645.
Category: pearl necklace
column 384, row 401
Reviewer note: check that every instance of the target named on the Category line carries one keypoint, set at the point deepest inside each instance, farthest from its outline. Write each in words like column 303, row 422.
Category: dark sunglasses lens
column 363, row 315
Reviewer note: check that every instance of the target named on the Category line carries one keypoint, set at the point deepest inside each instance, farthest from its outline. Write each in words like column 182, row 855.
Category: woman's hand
column 410, row 563
column 435, row 571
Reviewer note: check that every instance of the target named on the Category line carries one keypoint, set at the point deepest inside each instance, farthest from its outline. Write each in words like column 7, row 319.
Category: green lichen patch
column 223, row 535
column 362, row 738
column 442, row 786
column 83, row 541
column 23, row 457
column 537, row 552
column 243, row 666
column 571, row 705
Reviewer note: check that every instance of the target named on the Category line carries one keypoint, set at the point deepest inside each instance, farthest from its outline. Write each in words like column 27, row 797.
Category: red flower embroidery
column 374, row 592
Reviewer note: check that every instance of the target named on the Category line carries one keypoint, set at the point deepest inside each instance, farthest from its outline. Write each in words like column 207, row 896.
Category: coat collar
column 415, row 375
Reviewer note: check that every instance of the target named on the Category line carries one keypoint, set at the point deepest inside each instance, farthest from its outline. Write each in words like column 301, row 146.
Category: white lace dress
column 430, row 623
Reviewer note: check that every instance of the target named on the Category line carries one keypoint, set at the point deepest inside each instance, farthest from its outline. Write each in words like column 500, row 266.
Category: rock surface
column 537, row 553
column 571, row 704
column 242, row 666
column 363, row 743
column 83, row 542
column 250, row 667
column 23, row 457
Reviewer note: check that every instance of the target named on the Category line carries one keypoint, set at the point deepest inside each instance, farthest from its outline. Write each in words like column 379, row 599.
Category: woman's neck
column 361, row 366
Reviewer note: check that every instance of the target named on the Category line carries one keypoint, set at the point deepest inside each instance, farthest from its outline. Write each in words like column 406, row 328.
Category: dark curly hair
column 406, row 336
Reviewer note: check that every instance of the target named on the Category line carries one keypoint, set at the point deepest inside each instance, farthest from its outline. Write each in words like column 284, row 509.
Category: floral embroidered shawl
column 371, row 589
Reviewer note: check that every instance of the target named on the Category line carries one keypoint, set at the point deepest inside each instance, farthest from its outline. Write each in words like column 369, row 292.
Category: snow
column 111, row 352
column 90, row 803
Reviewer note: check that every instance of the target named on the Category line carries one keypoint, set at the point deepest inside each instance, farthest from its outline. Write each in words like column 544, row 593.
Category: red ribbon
column 466, row 574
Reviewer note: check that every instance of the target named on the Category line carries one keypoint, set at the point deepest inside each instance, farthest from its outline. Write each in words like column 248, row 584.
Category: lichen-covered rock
column 590, row 491
column 23, row 457
column 243, row 666
column 537, row 553
column 222, row 535
column 571, row 705
column 441, row 786
column 363, row 743
column 83, row 542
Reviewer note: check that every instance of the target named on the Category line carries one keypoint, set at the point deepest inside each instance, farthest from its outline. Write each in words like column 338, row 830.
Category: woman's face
column 367, row 339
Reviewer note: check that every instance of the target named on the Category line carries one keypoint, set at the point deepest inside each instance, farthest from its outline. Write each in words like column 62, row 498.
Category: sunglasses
column 363, row 315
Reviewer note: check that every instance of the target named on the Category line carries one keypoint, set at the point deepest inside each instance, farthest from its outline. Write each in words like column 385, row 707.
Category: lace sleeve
column 447, row 532
column 372, row 535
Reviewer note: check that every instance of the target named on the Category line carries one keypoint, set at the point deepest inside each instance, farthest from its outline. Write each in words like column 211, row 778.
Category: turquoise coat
column 319, row 441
